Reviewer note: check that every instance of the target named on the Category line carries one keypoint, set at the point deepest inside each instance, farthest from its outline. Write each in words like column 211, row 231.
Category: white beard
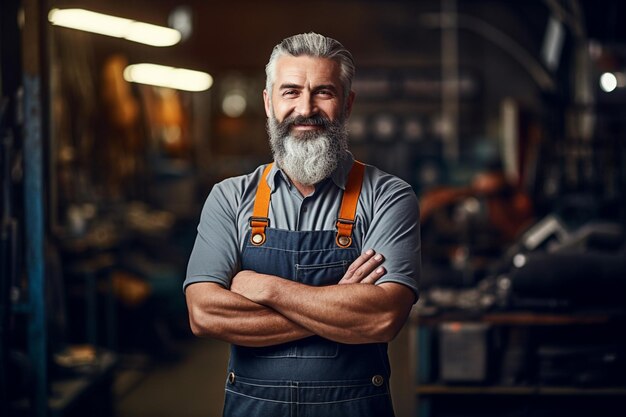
column 309, row 157
column 308, row 161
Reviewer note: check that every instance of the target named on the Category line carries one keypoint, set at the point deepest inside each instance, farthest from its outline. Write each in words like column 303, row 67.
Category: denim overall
column 311, row 377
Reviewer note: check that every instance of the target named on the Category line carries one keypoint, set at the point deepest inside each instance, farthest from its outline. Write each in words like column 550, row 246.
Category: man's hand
column 343, row 313
column 365, row 269
column 221, row 314
column 249, row 284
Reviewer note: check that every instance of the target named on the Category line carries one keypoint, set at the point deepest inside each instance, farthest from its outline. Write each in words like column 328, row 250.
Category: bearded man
column 309, row 265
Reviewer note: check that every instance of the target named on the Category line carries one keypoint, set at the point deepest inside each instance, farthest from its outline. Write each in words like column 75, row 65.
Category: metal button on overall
column 377, row 380
column 257, row 239
column 344, row 240
column 231, row 377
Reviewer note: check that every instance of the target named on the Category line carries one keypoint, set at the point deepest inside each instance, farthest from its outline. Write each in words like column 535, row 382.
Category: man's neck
column 305, row 190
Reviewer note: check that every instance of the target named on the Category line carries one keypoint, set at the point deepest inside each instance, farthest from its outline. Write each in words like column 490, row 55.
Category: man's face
column 306, row 86
column 307, row 115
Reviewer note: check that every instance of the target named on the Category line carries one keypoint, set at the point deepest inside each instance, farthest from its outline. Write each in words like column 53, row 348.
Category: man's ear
column 349, row 103
column 267, row 102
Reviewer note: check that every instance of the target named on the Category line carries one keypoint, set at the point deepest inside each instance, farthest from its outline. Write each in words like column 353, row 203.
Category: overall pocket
column 313, row 347
column 321, row 274
column 284, row 350
column 247, row 397
column 316, row 347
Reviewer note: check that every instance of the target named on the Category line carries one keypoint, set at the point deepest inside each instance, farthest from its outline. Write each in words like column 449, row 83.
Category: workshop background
column 507, row 117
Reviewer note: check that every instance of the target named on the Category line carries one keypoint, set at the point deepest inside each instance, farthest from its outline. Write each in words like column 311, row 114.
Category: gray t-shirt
column 387, row 220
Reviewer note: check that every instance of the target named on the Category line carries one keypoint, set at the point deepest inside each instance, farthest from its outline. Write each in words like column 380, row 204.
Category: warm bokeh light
column 117, row 27
column 234, row 104
column 170, row 77
column 608, row 82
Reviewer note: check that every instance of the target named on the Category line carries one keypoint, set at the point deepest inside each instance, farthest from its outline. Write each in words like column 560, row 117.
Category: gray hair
column 314, row 45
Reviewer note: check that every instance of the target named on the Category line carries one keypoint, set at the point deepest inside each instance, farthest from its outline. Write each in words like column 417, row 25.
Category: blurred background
column 507, row 118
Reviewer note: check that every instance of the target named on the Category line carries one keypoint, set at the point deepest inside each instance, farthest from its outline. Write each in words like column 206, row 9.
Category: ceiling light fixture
column 170, row 77
column 117, row 27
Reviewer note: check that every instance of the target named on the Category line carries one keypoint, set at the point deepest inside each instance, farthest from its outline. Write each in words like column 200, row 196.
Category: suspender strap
column 260, row 220
column 347, row 212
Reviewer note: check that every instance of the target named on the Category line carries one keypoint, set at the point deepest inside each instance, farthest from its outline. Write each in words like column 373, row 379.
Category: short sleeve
column 394, row 231
column 215, row 255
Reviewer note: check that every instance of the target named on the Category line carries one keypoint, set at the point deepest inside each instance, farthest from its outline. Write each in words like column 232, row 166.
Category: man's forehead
column 307, row 68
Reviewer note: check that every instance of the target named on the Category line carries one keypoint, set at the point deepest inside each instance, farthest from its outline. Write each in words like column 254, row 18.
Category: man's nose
column 306, row 105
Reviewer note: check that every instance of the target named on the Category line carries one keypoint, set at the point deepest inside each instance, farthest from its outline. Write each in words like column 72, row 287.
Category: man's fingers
column 358, row 262
column 363, row 267
column 374, row 276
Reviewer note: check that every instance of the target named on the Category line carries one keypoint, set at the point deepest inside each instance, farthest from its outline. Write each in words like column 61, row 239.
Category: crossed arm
column 263, row 310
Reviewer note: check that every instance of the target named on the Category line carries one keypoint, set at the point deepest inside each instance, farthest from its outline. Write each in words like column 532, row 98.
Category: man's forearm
column 354, row 313
column 221, row 314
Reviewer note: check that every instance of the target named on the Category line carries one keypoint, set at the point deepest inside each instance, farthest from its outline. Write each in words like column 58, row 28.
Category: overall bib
column 311, row 377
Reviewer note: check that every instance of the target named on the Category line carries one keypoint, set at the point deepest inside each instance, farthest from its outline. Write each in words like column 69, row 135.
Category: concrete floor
column 191, row 386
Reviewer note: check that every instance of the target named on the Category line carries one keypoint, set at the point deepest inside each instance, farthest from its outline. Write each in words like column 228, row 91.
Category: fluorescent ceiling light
column 163, row 76
column 117, row 27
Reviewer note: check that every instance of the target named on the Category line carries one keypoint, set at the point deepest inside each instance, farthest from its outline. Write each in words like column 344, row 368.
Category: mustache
column 282, row 129
column 315, row 120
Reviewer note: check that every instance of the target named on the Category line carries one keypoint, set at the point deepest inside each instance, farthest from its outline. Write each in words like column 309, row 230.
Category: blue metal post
column 34, row 227
column 33, row 150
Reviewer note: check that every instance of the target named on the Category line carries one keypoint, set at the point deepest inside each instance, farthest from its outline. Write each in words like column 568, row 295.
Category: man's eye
column 326, row 93
column 290, row 92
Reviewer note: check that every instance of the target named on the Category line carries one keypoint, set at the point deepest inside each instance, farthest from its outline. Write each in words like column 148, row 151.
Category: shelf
column 435, row 389
column 508, row 344
column 541, row 319
column 67, row 392
column 519, row 318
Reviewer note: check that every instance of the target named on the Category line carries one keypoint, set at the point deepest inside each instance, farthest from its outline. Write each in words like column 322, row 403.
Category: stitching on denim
column 307, row 403
column 338, row 386
column 345, row 401
column 335, row 264
column 263, row 386
column 257, row 398
column 258, row 355
column 265, row 246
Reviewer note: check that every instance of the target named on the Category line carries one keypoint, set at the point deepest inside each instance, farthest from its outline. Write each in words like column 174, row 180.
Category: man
column 282, row 267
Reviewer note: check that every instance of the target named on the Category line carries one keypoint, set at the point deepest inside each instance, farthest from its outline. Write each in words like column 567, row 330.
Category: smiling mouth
column 307, row 126
column 303, row 124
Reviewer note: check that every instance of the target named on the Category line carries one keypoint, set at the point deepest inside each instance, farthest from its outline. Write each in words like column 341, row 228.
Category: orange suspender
column 259, row 220
column 347, row 213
